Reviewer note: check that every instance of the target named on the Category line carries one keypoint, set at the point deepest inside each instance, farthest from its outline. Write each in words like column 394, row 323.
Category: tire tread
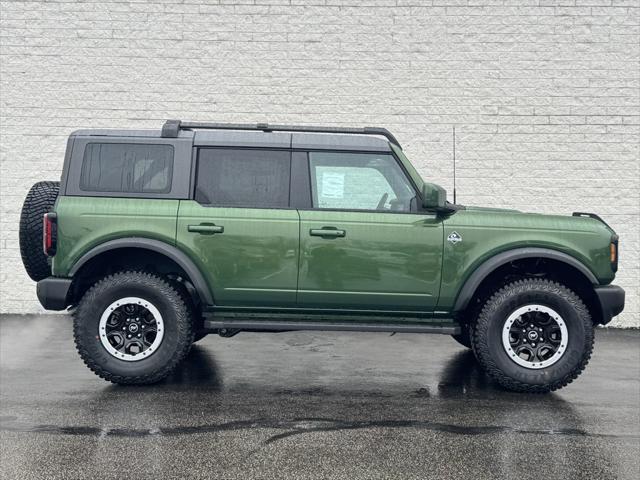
column 39, row 200
column 174, row 297
column 481, row 348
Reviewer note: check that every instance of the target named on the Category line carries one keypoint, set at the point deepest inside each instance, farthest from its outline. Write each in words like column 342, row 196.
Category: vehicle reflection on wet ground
column 311, row 405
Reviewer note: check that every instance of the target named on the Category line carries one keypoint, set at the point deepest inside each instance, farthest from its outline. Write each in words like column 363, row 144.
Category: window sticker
column 332, row 185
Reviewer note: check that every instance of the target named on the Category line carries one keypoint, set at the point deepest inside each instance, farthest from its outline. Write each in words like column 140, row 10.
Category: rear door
column 239, row 228
column 364, row 244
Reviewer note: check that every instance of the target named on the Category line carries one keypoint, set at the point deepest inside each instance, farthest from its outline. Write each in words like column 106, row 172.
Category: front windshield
column 413, row 173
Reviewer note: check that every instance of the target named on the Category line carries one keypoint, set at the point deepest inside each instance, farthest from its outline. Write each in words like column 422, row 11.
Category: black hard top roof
column 263, row 135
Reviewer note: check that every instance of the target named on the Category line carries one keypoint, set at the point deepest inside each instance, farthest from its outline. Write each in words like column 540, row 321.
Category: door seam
column 299, row 254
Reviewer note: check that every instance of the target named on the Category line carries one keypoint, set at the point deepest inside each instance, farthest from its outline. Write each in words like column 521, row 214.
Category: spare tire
column 39, row 201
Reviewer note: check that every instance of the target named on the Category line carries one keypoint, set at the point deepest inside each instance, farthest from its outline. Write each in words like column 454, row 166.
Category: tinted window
column 127, row 168
column 243, row 178
column 359, row 181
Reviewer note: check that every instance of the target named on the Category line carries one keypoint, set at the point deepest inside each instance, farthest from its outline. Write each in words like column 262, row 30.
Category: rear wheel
column 533, row 335
column 39, row 200
column 132, row 328
column 194, row 311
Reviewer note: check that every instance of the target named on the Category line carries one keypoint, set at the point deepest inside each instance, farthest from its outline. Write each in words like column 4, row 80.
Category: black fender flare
column 158, row 246
column 473, row 282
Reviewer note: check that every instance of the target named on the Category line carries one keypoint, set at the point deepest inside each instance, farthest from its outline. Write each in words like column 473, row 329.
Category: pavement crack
column 290, row 428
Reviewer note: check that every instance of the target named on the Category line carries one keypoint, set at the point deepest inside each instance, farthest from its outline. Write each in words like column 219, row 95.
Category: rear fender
column 179, row 257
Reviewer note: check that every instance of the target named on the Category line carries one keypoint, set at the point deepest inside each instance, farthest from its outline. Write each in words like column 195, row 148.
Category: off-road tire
column 194, row 311
column 486, row 336
column 178, row 327
column 464, row 337
column 39, row 201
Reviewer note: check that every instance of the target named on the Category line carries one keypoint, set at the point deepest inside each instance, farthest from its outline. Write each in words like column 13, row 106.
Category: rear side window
column 243, row 178
column 127, row 168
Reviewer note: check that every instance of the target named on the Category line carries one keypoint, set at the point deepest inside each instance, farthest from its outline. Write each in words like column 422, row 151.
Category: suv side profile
column 156, row 238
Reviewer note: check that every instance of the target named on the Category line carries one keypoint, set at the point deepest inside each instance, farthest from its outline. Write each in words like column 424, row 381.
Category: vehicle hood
column 492, row 209
column 511, row 218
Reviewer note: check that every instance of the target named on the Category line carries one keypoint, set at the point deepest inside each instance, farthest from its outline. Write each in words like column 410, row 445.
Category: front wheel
column 132, row 328
column 533, row 335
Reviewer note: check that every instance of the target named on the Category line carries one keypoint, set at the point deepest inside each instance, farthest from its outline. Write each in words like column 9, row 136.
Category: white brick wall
column 544, row 93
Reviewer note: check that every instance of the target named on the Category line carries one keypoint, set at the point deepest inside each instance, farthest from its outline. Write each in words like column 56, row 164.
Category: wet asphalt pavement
column 311, row 405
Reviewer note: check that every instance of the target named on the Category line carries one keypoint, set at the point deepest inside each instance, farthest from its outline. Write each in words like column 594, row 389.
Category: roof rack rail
column 171, row 128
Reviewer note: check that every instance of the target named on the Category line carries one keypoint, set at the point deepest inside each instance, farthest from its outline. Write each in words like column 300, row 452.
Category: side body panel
column 385, row 261
column 253, row 262
column 484, row 233
column 86, row 222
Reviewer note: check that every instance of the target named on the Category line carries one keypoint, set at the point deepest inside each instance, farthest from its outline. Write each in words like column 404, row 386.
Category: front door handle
column 205, row 228
column 327, row 232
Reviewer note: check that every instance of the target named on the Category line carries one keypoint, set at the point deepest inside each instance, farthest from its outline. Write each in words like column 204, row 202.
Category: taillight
column 49, row 234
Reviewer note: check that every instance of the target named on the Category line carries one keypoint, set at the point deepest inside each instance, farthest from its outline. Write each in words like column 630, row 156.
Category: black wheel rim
column 131, row 329
column 535, row 336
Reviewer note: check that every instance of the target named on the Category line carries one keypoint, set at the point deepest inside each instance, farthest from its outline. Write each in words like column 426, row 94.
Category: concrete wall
column 544, row 93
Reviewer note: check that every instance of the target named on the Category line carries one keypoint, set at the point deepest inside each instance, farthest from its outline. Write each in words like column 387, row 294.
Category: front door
column 364, row 244
column 239, row 229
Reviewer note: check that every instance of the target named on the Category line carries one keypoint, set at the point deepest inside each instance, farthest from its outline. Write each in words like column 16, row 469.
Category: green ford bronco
column 155, row 238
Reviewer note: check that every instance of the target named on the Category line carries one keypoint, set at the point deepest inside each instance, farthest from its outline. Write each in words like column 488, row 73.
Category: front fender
column 468, row 288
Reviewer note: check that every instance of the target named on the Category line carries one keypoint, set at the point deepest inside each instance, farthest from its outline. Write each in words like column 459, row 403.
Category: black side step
column 447, row 328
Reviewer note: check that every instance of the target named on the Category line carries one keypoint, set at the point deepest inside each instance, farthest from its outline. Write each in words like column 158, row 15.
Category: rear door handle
column 205, row 228
column 327, row 232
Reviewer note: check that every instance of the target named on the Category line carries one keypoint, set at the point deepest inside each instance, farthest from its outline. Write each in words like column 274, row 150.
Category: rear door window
column 243, row 178
column 127, row 168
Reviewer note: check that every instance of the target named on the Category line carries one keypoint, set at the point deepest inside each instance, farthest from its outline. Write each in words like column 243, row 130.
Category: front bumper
column 53, row 292
column 611, row 300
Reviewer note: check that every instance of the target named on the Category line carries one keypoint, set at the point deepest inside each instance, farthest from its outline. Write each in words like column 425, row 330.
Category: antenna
column 454, row 164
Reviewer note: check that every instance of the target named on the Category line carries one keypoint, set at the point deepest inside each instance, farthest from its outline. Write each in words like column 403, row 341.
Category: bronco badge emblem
column 454, row 237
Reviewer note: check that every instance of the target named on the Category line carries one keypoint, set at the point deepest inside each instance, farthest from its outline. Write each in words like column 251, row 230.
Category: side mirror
column 434, row 197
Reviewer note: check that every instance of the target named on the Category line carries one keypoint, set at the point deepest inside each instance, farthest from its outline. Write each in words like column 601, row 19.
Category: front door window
column 359, row 181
